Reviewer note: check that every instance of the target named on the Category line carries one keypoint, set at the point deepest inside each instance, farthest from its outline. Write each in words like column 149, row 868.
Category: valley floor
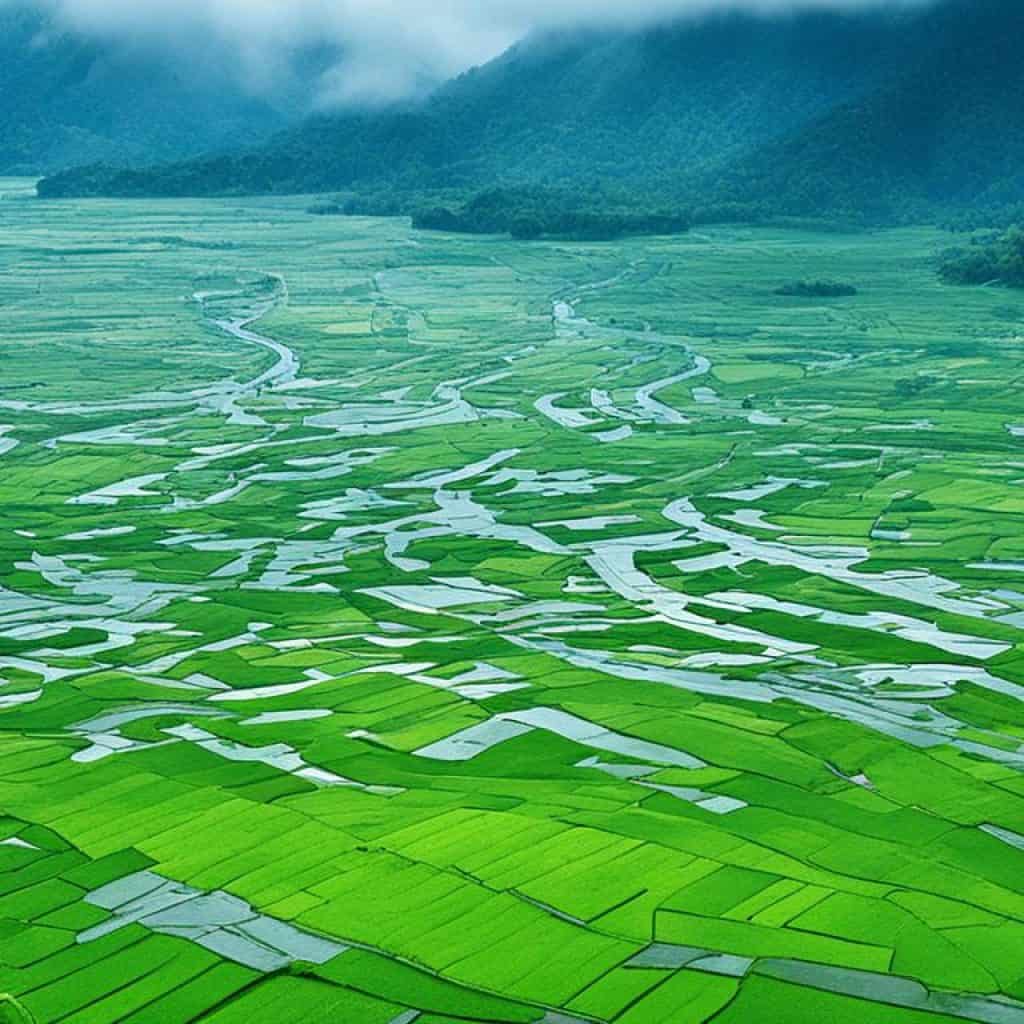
column 406, row 627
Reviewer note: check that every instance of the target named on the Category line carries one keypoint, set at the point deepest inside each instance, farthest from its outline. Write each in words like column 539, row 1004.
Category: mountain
column 946, row 132
column 624, row 106
column 68, row 99
column 876, row 113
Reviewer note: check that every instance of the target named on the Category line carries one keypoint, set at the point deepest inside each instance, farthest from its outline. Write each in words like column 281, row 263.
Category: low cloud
column 386, row 49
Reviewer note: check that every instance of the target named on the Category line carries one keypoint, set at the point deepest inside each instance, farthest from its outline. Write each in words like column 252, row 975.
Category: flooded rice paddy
column 515, row 632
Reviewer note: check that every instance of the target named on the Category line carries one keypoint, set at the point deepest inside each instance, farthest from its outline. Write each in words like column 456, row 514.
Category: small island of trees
column 816, row 289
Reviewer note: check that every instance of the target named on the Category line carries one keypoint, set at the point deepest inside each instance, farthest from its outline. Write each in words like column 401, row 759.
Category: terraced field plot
column 400, row 627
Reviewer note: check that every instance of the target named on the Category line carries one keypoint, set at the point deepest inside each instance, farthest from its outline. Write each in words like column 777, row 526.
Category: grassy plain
column 552, row 628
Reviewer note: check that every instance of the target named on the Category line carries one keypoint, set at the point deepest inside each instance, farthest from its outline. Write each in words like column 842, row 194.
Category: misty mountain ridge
column 70, row 99
column 877, row 113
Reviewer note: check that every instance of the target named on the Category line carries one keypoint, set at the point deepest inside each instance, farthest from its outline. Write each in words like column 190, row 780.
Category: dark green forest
column 992, row 259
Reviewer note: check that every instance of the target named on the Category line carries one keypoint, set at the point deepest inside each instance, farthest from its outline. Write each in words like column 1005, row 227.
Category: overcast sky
column 391, row 45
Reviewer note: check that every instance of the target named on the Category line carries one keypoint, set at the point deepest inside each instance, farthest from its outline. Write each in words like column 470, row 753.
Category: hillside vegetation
column 69, row 100
column 642, row 108
column 876, row 116
column 998, row 259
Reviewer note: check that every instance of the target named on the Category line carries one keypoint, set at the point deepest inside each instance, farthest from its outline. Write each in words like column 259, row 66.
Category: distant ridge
column 878, row 115
column 67, row 100
column 945, row 131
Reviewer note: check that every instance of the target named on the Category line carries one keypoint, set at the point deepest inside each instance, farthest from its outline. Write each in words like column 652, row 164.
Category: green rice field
column 402, row 627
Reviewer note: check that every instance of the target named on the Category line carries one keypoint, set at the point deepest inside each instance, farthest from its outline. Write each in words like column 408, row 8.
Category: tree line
column 523, row 212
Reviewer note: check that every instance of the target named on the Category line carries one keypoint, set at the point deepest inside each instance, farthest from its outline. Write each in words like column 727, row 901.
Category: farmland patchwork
column 404, row 627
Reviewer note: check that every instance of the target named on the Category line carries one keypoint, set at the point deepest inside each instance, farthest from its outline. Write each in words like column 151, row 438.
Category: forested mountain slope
column 947, row 131
column 877, row 114
column 643, row 106
column 68, row 99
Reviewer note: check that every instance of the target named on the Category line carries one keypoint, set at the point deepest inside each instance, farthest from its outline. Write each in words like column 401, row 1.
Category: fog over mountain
column 389, row 49
column 875, row 112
